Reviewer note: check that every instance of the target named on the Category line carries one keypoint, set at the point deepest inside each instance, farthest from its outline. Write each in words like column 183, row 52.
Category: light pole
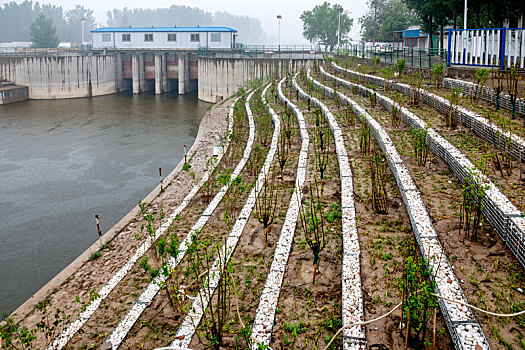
column 465, row 37
column 82, row 20
column 279, row 18
column 339, row 11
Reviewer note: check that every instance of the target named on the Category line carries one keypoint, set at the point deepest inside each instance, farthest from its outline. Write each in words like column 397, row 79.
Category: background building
column 164, row 38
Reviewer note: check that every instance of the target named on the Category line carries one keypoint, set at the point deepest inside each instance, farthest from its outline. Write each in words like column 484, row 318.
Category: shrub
column 400, row 65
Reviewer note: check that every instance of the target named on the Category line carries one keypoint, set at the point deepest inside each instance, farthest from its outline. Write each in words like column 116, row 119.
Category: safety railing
column 489, row 47
column 415, row 57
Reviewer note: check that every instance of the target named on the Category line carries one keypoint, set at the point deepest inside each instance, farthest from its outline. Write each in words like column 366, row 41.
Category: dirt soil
column 484, row 108
column 308, row 314
column 386, row 241
column 251, row 261
column 83, row 275
column 489, row 275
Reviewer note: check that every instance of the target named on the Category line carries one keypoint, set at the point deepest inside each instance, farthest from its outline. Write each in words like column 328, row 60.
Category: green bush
column 401, row 64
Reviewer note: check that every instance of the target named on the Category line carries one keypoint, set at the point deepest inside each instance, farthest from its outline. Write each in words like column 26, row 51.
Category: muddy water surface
column 62, row 162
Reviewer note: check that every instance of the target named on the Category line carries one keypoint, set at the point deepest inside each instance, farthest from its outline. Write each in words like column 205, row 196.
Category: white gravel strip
column 265, row 315
column 446, row 283
column 61, row 340
column 502, row 214
column 480, row 125
column 120, row 332
column 194, row 316
column 352, row 294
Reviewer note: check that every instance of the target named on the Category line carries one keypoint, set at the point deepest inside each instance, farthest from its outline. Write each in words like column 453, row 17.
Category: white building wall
column 160, row 40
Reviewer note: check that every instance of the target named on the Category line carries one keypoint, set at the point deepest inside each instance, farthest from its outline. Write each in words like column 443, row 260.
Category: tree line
column 384, row 16
column 29, row 21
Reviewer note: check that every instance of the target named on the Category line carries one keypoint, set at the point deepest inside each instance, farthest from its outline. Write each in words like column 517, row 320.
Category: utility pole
column 339, row 11
column 465, row 40
column 279, row 18
column 82, row 20
column 465, row 16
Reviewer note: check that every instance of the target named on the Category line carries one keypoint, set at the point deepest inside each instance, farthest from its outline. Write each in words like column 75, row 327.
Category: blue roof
column 163, row 29
column 412, row 33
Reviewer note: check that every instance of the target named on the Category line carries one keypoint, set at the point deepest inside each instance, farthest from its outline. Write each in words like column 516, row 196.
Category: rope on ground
column 478, row 309
column 437, row 296
column 361, row 323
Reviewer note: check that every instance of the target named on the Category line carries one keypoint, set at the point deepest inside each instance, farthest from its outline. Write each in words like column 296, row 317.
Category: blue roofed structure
column 127, row 38
column 162, row 29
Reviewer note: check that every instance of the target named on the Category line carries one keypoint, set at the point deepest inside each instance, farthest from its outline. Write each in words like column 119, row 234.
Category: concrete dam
column 60, row 77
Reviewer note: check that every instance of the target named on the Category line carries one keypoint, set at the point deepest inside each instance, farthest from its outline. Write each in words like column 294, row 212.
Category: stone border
column 498, row 209
column 193, row 318
column 457, row 317
column 487, row 94
column 352, row 294
column 265, row 315
column 61, row 340
column 482, row 127
column 125, row 325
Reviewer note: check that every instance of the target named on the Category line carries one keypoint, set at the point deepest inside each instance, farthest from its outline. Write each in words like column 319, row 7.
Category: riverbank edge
column 29, row 305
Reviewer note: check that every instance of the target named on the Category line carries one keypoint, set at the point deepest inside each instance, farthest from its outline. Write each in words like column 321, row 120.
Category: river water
column 63, row 161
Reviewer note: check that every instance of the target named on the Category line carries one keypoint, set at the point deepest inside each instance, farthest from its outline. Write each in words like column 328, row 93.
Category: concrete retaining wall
column 221, row 77
column 57, row 77
column 13, row 94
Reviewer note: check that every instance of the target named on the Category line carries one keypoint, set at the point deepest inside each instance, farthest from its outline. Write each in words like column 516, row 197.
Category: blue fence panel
column 489, row 47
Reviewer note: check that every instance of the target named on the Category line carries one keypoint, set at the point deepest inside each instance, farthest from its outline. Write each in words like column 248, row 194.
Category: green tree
column 383, row 17
column 74, row 22
column 433, row 14
column 321, row 23
column 43, row 32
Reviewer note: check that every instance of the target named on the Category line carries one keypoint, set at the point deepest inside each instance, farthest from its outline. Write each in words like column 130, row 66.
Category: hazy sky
column 265, row 10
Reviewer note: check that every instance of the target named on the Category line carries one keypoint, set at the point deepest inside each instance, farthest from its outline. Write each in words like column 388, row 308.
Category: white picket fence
column 492, row 47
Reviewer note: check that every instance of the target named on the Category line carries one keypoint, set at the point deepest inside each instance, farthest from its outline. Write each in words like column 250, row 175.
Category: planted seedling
column 379, row 178
column 266, row 203
column 150, row 217
column 453, row 100
column 350, row 115
column 400, row 65
column 215, row 320
column 364, row 139
column 419, row 141
column 312, row 223
column 482, row 75
column 417, row 288
column 322, row 152
column 497, row 85
column 372, row 96
column 388, row 74
column 513, row 77
column 395, row 111
column 416, row 80
column 438, row 71
column 473, row 193
column 289, row 127
column 282, row 152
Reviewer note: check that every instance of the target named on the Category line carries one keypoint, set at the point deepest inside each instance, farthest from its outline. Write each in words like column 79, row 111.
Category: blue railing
column 488, row 47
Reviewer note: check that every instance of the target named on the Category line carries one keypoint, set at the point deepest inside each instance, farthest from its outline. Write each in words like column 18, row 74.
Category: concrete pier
column 95, row 74
column 139, row 82
column 13, row 93
column 184, row 74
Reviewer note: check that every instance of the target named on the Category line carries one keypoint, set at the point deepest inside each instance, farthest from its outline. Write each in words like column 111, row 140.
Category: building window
column 106, row 38
column 215, row 37
column 148, row 37
column 172, row 37
column 126, row 37
column 195, row 38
